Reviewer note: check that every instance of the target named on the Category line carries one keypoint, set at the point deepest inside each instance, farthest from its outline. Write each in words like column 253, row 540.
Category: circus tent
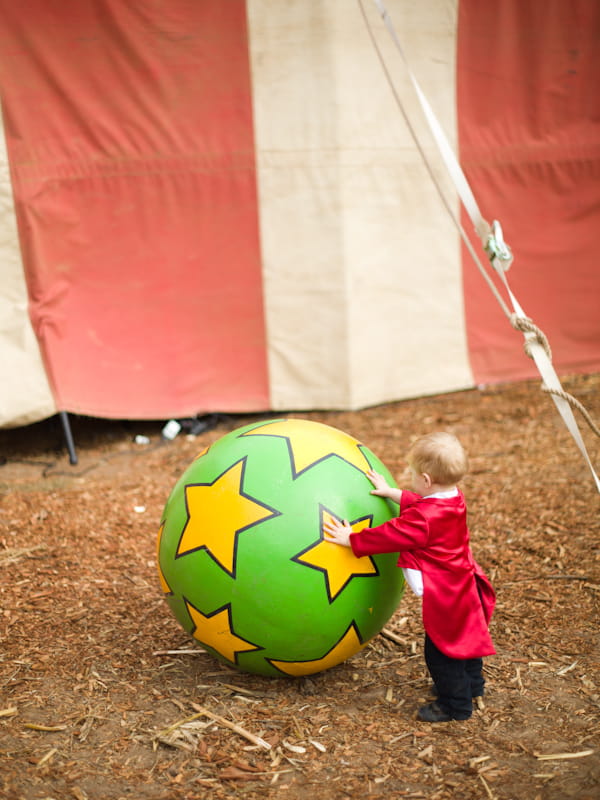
column 225, row 206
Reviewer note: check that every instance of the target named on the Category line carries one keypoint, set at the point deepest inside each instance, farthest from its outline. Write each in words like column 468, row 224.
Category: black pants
column 457, row 681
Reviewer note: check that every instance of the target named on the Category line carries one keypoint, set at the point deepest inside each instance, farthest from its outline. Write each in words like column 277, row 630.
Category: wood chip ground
column 104, row 697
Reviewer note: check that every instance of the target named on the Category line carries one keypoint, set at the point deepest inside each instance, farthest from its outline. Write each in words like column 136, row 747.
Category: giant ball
column 242, row 557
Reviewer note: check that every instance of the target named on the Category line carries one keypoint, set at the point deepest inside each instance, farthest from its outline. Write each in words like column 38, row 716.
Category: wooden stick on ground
column 485, row 786
column 232, row 726
column 560, row 756
column 391, row 635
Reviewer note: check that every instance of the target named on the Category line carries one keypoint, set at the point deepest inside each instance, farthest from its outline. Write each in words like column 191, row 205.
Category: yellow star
column 310, row 442
column 339, row 564
column 348, row 645
column 163, row 581
column 217, row 513
column 215, row 631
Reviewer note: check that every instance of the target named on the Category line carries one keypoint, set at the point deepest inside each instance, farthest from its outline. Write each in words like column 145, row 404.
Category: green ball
column 242, row 557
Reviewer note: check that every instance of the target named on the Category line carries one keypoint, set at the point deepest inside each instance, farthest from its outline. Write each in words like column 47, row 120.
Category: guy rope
column 498, row 252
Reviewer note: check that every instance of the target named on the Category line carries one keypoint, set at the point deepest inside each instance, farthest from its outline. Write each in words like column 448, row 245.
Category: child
column 432, row 538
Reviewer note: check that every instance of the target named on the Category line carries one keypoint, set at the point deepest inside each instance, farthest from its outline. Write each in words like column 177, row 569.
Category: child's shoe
column 432, row 712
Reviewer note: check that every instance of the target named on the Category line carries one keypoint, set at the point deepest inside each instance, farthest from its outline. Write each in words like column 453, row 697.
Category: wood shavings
column 89, row 645
column 47, row 757
column 426, row 754
column 48, row 728
column 392, row 636
column 232, row 726
column 183, row 734
column 486, row 786
column 13, row 554
column 294, row 748
column 564, row 670
column 479, row 760
column 562, row 756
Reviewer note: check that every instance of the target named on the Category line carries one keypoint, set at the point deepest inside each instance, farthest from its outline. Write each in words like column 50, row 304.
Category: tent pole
column 64, row 418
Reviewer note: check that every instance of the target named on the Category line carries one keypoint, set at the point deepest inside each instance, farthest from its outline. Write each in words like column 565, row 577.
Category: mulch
column 103, row 696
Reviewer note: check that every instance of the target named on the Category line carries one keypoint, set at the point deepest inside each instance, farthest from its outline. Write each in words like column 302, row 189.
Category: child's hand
column 382, row 487
column 337, row 532
column 379, row 482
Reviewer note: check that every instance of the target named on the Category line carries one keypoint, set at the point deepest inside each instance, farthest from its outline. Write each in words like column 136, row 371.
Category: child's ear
column 427, row 479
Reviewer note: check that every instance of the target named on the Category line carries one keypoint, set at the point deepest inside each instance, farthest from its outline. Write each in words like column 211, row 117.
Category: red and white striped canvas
column 220, row 206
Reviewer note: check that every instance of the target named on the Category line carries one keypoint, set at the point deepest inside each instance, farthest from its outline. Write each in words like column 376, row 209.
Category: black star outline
column 163, row 581
column 297, row 558
column 352, row 625
column 296, row 473
column 273, row 512
column 254, row 648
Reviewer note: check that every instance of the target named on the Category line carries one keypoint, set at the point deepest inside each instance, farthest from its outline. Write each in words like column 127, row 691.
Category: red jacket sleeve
column 409, row 531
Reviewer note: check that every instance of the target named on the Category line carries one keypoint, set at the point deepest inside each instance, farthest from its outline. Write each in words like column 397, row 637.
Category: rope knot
column 532, row 334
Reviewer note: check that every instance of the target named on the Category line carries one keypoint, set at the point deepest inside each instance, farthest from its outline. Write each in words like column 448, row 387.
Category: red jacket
column 431, row 535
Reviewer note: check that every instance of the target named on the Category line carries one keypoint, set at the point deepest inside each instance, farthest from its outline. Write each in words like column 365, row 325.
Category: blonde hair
column 441, row 456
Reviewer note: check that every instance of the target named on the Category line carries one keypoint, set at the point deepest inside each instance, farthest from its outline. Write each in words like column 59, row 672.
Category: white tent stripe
column 25, row 395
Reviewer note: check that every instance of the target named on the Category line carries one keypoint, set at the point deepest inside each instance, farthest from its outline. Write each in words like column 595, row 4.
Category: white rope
column 498, row 252
column 484, row 226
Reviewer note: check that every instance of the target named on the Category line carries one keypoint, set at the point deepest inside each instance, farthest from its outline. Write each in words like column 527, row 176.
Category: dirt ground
column 100, row 688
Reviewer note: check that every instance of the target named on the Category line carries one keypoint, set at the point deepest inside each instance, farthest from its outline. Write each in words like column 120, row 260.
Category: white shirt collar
column 449, row 493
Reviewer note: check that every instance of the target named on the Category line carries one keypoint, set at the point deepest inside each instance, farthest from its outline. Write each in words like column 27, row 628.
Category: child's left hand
column 337, row 532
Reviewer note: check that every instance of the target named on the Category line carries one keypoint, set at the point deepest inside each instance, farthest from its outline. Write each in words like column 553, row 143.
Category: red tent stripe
column 130, row 135
column 528, row 110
